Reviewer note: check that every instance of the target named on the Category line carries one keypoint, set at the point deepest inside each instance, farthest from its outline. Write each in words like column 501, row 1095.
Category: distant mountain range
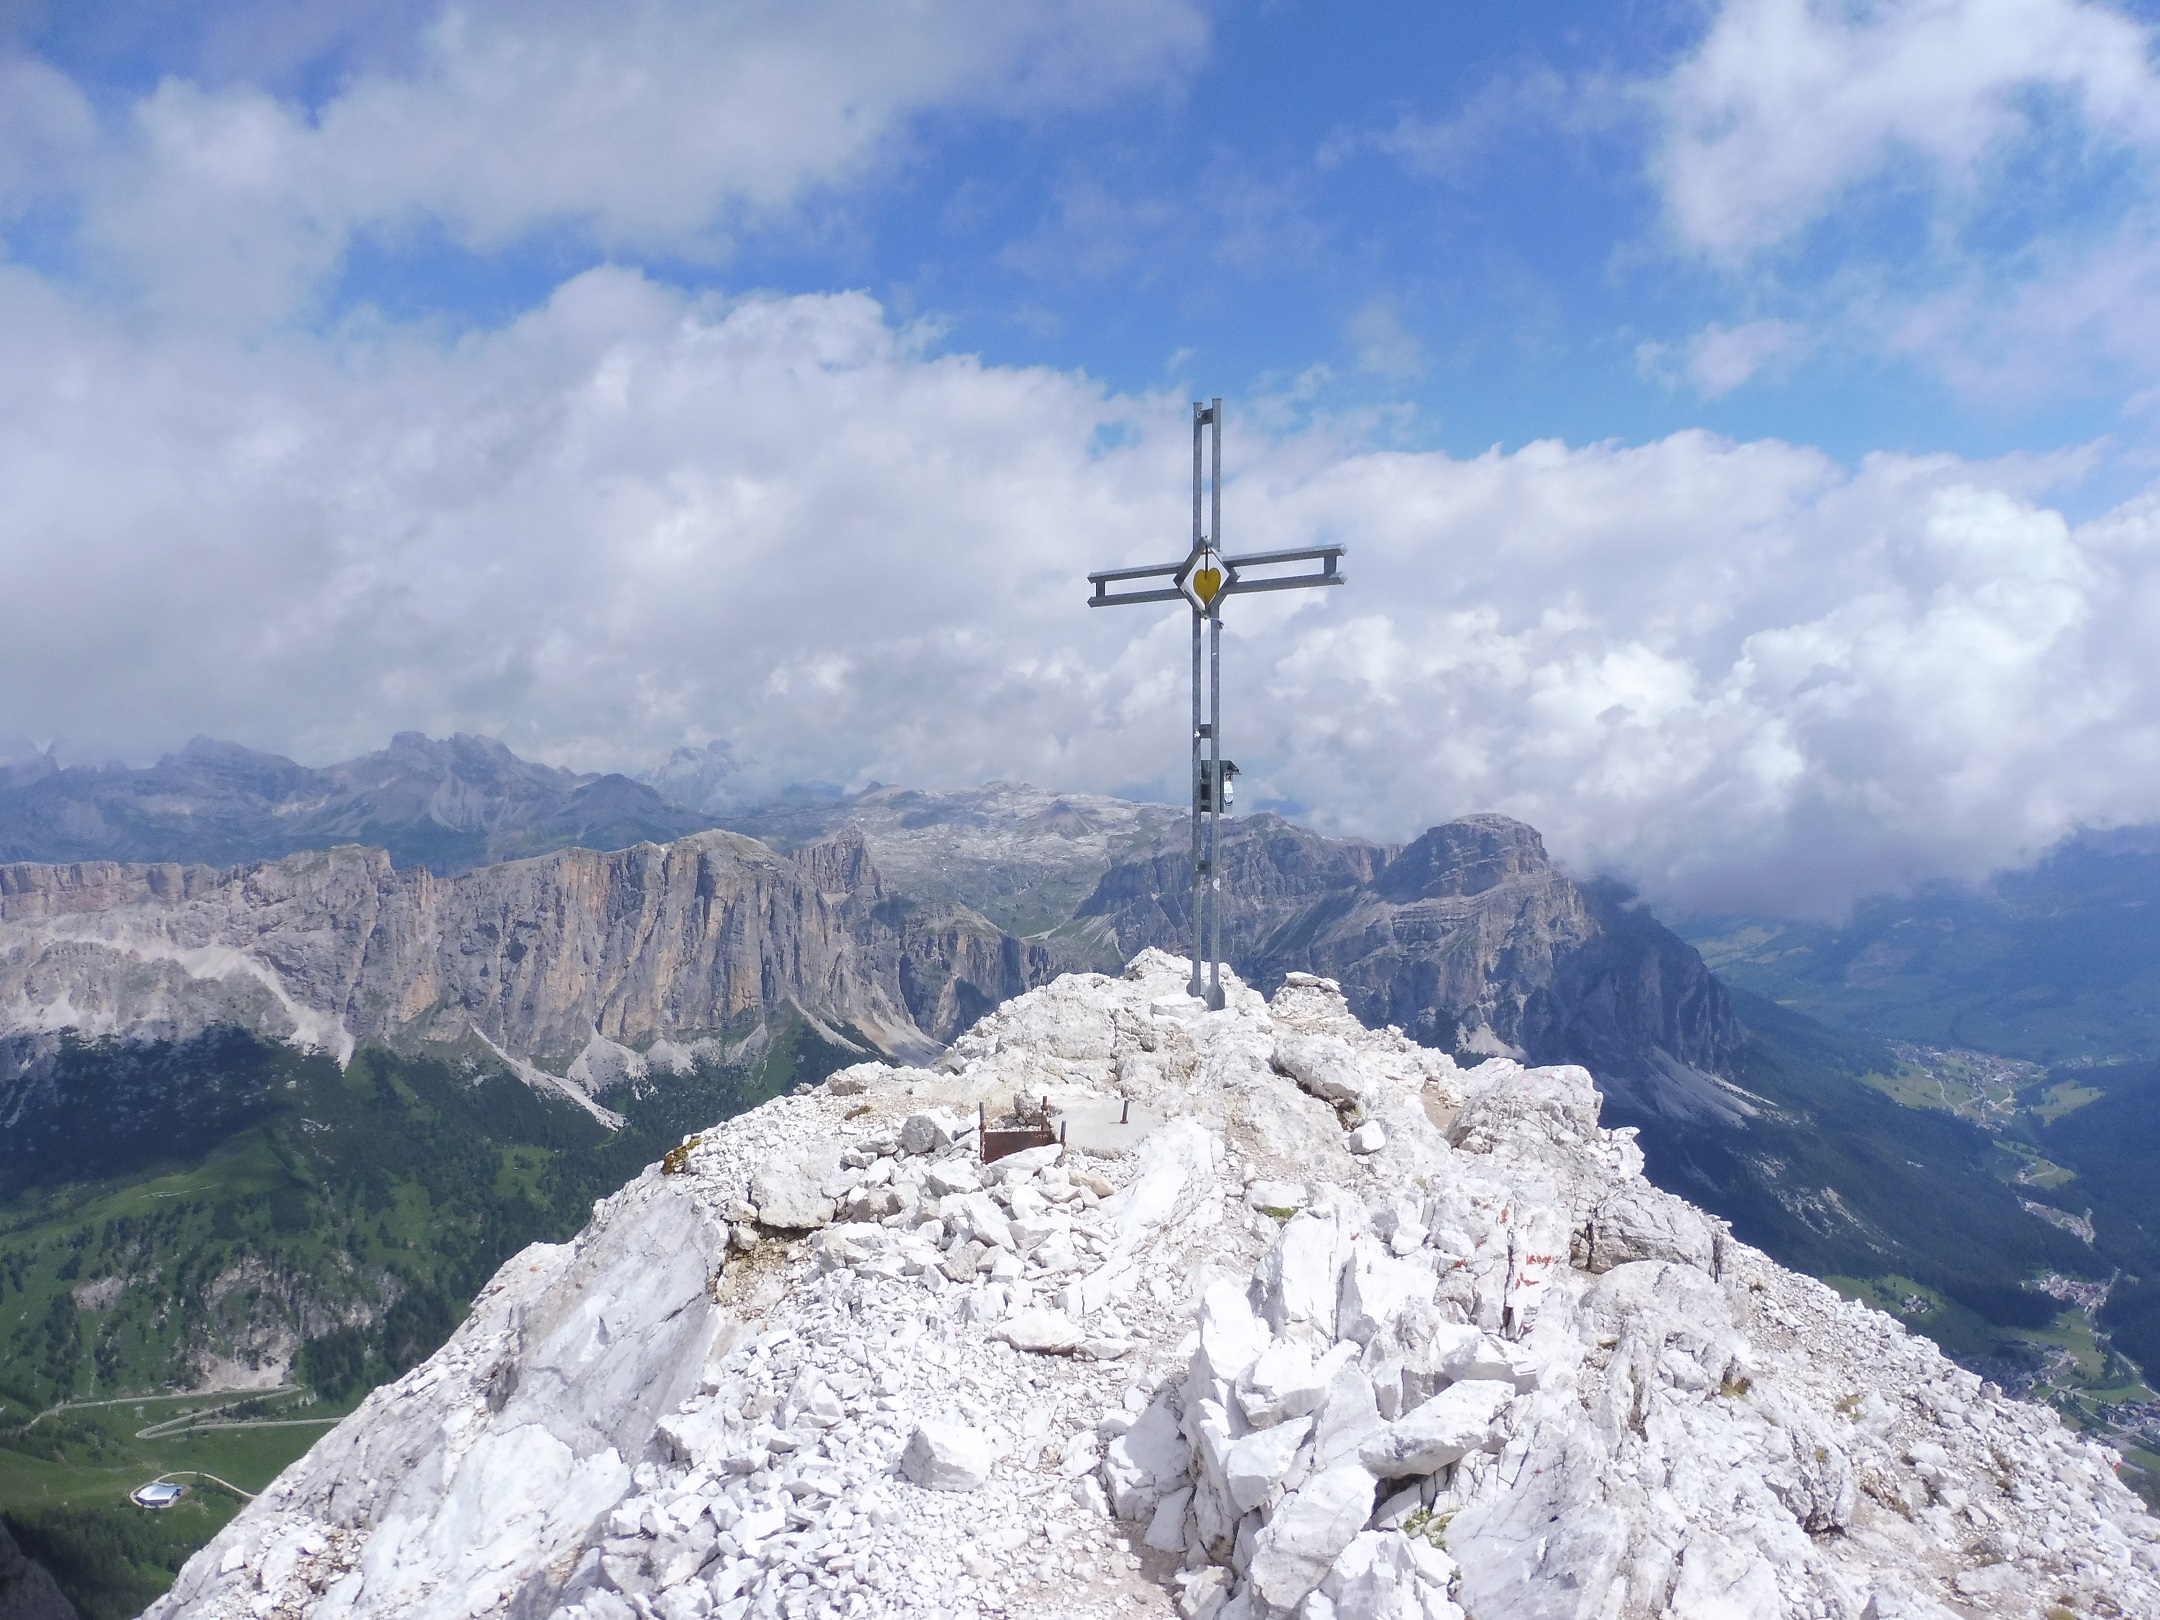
column 626, row 956
column 887, row 920
column 580, row 968
column 448, row 806
column 893, row 914
column 2056, row 963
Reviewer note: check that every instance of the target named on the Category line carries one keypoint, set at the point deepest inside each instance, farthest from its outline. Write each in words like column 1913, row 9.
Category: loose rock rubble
column 1322, row 1327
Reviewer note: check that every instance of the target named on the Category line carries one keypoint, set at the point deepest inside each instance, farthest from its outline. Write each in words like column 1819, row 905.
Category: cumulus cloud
column 1967, row 184
column 1740, row 673
column 1720, row 358
column 1787, row 104
column 658, row 126
column 628, row 519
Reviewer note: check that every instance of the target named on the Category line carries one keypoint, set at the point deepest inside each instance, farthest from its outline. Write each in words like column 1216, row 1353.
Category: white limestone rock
column 1390, row 1577
column 1231, row 1336
column 1149, row 1457
column 1439, row 1431
column 789, row 1192
column 1284, row 1198
column 855, row 1079
column 1256, row 1464
column 1643, row 1223
column 933, row 1130
column 1349, row 1416
column 1300, row 1280
column 947, row 1457
column 953, row 1176
column 1375, row 1289
column 1480, row 1356
column 1283, row 1382
column 696, row 1411
column 976, row 1216
column 1298, row 1546
column 1042, row 1333
column 1326, row 1065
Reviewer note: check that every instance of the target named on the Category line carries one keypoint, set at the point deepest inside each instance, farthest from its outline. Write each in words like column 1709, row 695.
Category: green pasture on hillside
column 184, row 1208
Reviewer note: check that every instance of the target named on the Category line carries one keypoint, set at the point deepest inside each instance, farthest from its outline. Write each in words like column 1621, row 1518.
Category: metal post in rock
column 1202, row 580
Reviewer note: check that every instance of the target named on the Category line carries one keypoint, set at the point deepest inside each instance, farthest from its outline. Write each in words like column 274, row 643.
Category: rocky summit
column 1293, row 1318
column 1468, row 938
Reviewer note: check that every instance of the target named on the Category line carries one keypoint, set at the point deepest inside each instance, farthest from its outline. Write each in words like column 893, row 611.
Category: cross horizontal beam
column 1329, row 558
column 1103, row 581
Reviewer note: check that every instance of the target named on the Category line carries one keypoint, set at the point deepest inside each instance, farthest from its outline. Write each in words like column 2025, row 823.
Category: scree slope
column 1304, row 1320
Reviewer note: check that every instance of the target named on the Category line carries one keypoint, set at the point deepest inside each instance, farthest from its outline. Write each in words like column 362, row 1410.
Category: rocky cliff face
column 1304, row 1320
column 1023, row 857
column 575, row 962
column 27, row 1592
column 579, row 962
column 1467, row 939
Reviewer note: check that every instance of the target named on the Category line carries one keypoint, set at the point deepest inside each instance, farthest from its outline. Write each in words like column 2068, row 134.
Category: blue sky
column 1448, row 214
column 1742, row 410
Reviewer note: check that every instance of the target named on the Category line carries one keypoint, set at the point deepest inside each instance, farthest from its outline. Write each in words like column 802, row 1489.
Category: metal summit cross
column 1202, row 580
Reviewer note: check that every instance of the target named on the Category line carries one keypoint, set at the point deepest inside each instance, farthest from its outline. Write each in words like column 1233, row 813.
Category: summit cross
column 1202, row 580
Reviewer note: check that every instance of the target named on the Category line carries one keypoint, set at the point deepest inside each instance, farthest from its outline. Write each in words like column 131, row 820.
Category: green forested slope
column 176, row 1217
column 2007, row 1212
column 2112, row 1145
column 1834, row 1178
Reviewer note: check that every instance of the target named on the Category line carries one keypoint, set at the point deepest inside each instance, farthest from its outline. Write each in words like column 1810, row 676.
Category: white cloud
column 1738, row 672
column 1456, row 146
column 633, row 519
column 1789, row 104
column 625, row 520
column 1720, row 358
column 656, row 126
column 1385, row 345
column 46, row 128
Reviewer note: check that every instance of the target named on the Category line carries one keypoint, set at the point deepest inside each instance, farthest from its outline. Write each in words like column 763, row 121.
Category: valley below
column 211, row 1250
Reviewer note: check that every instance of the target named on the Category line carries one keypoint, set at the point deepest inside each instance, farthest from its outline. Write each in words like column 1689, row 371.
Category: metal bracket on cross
column 1203, row 579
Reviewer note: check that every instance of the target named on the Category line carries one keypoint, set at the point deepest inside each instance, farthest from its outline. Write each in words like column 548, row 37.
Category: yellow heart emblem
column 1205, row 583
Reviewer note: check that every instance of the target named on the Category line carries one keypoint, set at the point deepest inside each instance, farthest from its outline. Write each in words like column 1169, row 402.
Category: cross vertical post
column 1207, row 734
column 1202, row 580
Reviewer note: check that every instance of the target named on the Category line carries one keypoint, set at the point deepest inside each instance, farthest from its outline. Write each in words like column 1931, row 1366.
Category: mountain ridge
column 582, row 962
column 1304, row 1320
column 1467, row 938
column 448, row 805
column 558, row 960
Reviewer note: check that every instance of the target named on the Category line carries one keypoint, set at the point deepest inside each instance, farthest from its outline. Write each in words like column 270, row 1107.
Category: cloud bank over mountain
column 633, row 519
column 387, row 373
